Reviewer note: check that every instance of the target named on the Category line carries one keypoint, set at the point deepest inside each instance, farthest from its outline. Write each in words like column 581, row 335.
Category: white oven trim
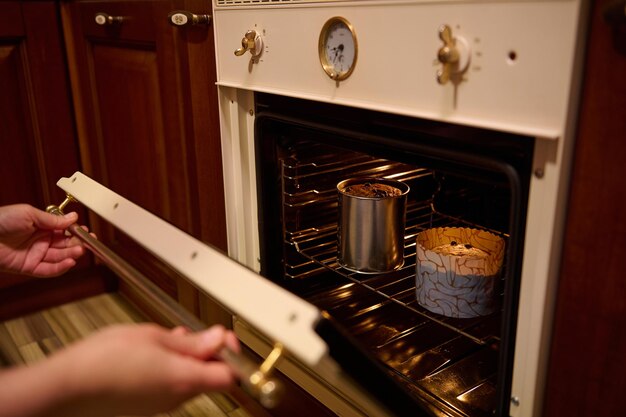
column 546, row 209
column 525, row 95
column 524, row 130
column 237, row 134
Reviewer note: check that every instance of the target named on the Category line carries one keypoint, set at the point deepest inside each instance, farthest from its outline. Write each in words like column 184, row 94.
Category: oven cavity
column 381, row 311
column 453, row 365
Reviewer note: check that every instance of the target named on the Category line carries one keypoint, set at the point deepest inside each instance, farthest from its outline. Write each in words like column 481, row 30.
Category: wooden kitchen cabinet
column 587, row 368
column 36, row 128
column 147, row 120
column 37, row 139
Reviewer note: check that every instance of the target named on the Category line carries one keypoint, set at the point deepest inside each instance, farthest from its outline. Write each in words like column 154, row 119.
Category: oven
column 471, row 104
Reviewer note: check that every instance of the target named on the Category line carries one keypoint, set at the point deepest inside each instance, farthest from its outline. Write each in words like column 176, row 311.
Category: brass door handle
column 185, row 18
column 105, row 19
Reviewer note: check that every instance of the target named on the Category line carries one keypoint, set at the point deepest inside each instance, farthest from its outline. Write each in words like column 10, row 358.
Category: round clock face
column 338, row 48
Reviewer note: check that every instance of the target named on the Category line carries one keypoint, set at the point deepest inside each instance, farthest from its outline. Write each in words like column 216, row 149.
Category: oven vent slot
column 231, row 3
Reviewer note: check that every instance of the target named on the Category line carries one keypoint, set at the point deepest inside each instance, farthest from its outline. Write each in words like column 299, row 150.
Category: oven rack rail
column 319, row 247
column 297, row 193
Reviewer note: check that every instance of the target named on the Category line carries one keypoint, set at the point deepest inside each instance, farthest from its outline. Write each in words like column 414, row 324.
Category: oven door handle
column 282, row 318
column 256, row 379
column 281, row 315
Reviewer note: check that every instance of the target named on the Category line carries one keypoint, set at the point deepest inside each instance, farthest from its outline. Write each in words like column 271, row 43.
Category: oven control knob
column 454, row 55
column 252, row 42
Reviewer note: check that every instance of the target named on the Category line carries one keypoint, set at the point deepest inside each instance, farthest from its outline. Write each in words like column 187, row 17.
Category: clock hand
column 338, row 53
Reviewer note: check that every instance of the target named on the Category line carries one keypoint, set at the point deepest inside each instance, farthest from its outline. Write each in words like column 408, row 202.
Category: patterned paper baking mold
column 457, row 271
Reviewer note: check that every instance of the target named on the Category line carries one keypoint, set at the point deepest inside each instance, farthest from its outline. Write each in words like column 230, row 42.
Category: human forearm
column 30, row 391
column 122, row 370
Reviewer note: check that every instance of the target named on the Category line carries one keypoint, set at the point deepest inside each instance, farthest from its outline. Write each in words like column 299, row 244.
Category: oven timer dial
column 337, row 48
column 454, row 56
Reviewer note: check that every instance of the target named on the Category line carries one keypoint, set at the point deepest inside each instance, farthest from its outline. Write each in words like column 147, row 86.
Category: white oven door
column 265, row 315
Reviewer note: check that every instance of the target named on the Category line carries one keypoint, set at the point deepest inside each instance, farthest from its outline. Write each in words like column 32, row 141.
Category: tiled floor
column 30, row 338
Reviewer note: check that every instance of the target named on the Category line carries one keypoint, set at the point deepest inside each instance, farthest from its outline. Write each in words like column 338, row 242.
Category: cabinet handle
column 185, row 18
column 104, row 19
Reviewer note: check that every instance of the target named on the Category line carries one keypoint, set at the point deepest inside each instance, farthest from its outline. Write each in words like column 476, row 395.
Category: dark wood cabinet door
column 37, row 144
column 37, row 140
column 147, row 118
column 587, row 369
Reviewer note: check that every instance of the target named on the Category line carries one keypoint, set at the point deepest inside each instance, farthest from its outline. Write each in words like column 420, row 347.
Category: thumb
column 48, row 221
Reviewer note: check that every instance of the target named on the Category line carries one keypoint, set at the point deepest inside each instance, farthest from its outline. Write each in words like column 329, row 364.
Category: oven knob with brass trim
column 252, row 42
column 454, row 55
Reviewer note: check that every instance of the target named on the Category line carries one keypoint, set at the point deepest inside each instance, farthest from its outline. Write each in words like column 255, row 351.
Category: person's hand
column 122, row 370
column 33, row 242
column 141, row 369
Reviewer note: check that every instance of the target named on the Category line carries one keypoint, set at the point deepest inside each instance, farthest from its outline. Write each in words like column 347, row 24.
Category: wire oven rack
column 318, row 242
column 452, row 361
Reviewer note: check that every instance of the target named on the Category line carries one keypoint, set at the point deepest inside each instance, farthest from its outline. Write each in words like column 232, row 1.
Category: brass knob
column 251, row 42
column 59, row 209
column 105, row 19
column 448, row 54
column 267, row 390
column 185, row 18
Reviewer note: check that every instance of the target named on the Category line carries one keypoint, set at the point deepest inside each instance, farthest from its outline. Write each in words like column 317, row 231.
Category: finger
column 230, row 339
column 48, row 221
column 74, row 241
column 53, row 269
column 232, row 342
column 59, row 254
column 60, row 241
column 86, row 229
column 201, row 345
column 205, row 376
column 180, row 331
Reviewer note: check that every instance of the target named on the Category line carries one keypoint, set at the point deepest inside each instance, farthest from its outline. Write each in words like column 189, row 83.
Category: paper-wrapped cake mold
column 457, row 271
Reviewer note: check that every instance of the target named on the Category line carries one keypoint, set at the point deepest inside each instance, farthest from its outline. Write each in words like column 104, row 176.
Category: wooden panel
column 587, row 373
column 135, row 117
column 57, row 149
column 147, row 118
column 11, row 23
column 36, row 119
column 18, row 163
column 37, row 142
column 132, row 144
column 35, row 294
column 199, row 77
